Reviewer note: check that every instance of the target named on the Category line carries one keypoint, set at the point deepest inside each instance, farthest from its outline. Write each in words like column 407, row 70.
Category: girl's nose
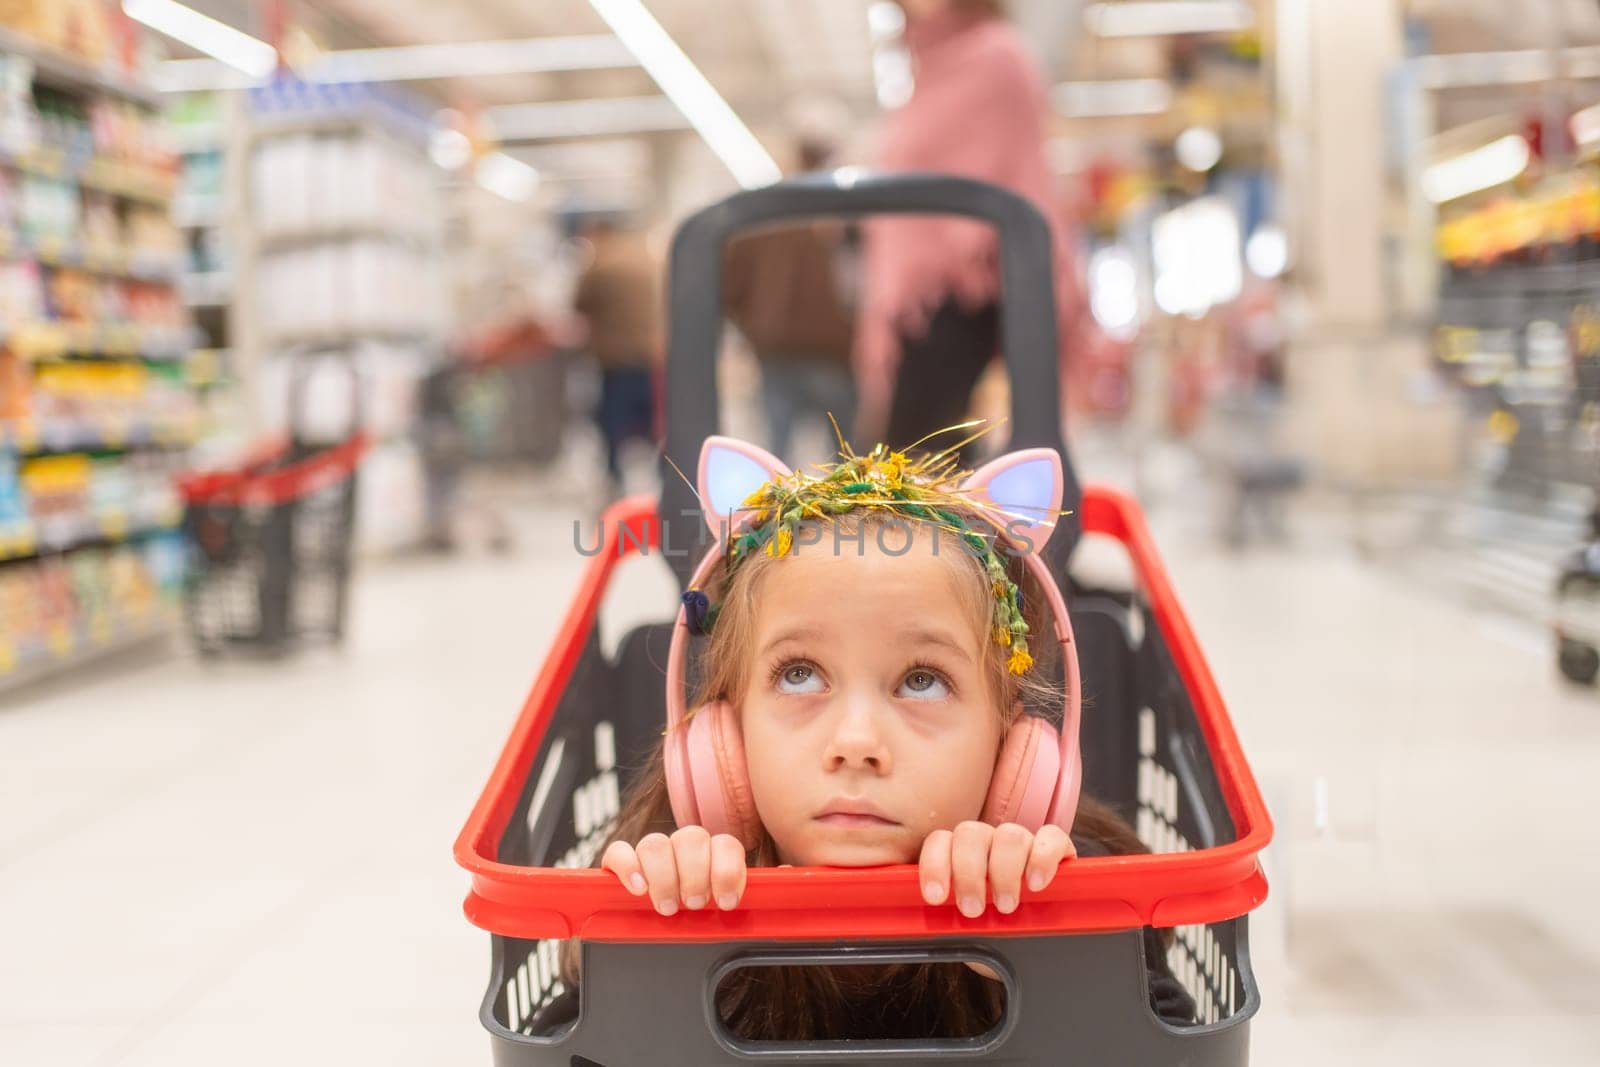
column 856, row 743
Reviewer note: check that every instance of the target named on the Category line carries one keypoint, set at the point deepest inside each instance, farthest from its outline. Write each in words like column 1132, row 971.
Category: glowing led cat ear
column 1025, row 486
column 730, row 471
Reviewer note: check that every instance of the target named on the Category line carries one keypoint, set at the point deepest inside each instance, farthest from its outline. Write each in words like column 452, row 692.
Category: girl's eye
column 798, row 678
column 923, row 684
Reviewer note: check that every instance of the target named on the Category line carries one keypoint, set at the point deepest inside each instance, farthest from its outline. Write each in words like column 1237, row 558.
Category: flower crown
column 925, row 488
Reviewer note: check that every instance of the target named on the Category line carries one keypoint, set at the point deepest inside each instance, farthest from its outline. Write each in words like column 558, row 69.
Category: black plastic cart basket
column 270, row 538
column 1156, row 738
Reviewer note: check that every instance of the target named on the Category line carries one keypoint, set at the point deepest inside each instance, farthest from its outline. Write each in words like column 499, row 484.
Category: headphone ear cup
column 1025, row 775
column 715, row 750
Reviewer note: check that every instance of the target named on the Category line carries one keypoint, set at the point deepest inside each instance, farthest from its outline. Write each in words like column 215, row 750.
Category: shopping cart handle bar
column 1029, row 335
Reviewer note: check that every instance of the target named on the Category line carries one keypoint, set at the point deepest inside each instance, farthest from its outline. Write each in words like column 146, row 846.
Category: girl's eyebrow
column 928, row 636
column 794, row 633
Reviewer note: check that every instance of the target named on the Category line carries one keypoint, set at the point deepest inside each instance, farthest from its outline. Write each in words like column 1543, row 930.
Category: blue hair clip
column 697, row 607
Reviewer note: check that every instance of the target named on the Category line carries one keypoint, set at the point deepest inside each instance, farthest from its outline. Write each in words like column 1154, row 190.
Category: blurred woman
column 930, row 322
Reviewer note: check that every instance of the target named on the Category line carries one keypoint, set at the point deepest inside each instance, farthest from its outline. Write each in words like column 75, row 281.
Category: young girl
column 863, row 700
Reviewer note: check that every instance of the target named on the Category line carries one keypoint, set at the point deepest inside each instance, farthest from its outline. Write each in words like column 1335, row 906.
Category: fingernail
column 637, row 883
column 695, row 903
column 1036, row 881
column 728, row 901
column 1007, row 905
column 667, row 907
column 971, row 907
column 933, row 892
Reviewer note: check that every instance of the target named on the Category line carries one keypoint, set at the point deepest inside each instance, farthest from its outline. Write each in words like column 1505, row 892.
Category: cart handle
column 1028, row 318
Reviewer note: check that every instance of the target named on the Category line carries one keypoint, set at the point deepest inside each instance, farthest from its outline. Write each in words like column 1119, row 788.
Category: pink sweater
column 978, row 111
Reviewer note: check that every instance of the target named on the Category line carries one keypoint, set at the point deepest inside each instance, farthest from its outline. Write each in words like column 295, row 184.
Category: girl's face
column 868, row 718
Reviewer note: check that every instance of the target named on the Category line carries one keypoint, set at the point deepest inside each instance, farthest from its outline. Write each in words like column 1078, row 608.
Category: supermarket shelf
column 278, row 240
column 212, row 288
column 102, row 175
column 198, row 212
column 55, row 253
column 64, row 71
column 24, row 540
column 195, row 139
column 52, row 340
column 60, row 436
column 76, row 647
column 347, row 338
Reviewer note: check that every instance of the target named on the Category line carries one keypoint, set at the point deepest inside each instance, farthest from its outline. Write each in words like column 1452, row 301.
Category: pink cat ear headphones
column 1038, row 774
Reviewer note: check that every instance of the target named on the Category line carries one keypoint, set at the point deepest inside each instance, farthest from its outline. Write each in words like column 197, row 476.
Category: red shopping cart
column 1158, row 744
column 270, row 538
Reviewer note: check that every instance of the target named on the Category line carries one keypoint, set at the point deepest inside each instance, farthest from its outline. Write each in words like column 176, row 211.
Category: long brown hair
column 821, row 1003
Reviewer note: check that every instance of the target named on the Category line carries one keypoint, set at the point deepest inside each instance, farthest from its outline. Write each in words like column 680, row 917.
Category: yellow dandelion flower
column 778, row 547
column 757, row 497
column 1020, row 660
column 1002, row 636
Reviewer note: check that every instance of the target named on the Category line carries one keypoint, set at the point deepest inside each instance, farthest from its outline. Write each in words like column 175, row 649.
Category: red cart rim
column 248, row 485
column 1088, row 895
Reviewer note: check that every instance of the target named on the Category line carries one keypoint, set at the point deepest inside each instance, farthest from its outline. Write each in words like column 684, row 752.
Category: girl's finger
column 1051, row 845
column 934, row 866
column 660, row 868
column 969, row 866
column 692, row 847
column 621, row 860
column 1008, row 855
column 727, row 871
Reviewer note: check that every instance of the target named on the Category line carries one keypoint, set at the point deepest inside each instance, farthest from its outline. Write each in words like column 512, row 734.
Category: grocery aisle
column 251, row 863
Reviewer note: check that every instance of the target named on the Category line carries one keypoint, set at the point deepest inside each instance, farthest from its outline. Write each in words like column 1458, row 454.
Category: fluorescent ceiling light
column 200, row 75
column 1463, row 69
column 1472, row 172
column 1585, row 126
column 204, row 33
column 723, row 131
column 1159, row 18
column 506, row 177
column 583, row 118
column 1129, row 96
column 1198, row 148
column 449, row 148
column 535, row 55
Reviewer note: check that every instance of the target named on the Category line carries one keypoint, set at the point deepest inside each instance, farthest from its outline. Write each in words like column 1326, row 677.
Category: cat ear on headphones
column 1025, row 486
column 730, row 470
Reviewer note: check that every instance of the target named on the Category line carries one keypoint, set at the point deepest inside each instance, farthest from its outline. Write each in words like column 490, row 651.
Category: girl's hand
column 976, row 858
column 690, row 867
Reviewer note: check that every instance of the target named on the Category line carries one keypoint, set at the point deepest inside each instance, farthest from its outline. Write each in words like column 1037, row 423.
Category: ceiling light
column 536, row 55
column 450, row 148
column 1198, row 149
column 204, row 33
column 1472, row 172
column 506, row 177
column 1267, row 251
column 885, row 20
column 1128, row 96
column 723, row 131
column 1159, row 18
column 583, row 118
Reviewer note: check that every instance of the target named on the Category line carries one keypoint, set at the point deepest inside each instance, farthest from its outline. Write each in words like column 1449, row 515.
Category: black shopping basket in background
column 270, row 538
column 1156, row 738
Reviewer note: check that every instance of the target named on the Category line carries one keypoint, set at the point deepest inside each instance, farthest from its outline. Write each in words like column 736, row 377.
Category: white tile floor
column 250, row 864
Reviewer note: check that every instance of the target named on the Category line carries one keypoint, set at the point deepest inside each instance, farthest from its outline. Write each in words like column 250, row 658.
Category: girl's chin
column 850, row 854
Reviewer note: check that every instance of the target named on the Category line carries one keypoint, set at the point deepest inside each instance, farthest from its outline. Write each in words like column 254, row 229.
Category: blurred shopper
column 931, row 320
column 781, row 289
column 443, row 446
column 619, row 297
